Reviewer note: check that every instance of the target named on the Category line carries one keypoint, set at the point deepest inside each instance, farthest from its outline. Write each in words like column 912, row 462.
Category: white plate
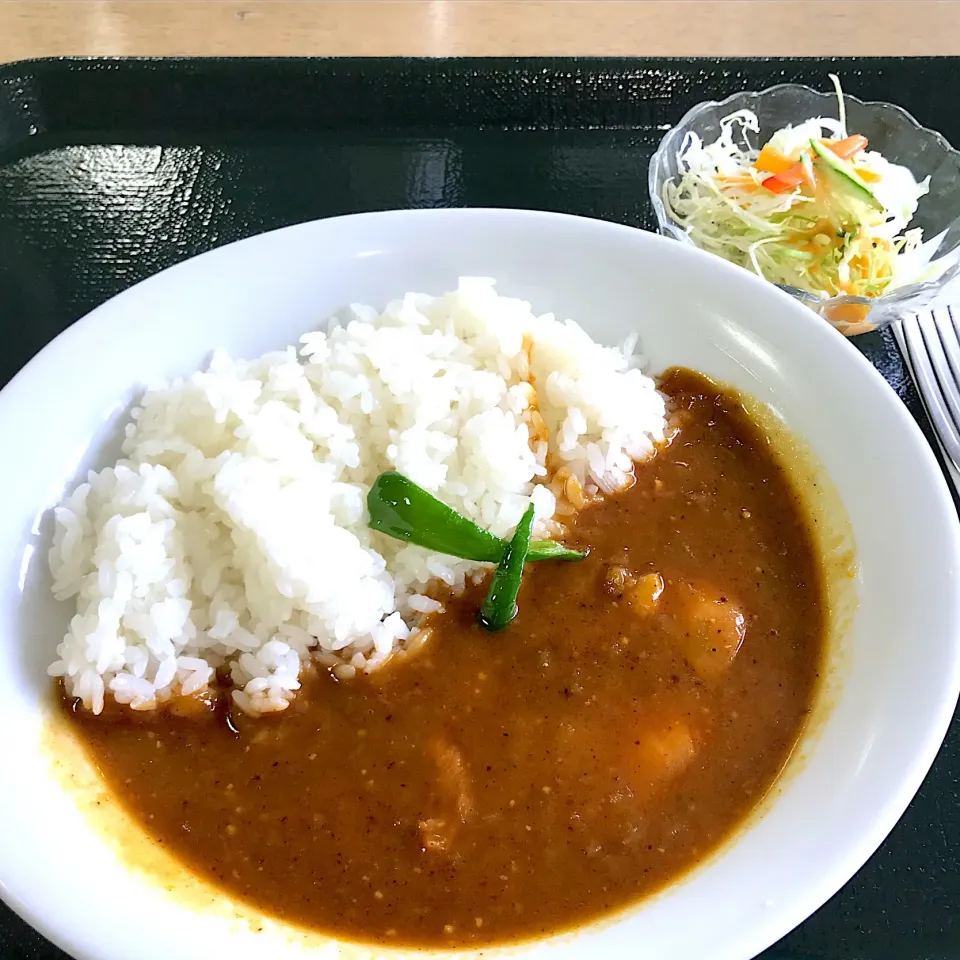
column 902, row 657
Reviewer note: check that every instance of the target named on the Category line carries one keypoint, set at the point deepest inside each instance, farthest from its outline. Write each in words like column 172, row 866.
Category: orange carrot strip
column 848, row 147
column 772, row 160
column 790, row 179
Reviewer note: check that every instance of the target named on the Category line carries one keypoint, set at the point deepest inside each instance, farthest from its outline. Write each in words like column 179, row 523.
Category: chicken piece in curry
column 494, row 787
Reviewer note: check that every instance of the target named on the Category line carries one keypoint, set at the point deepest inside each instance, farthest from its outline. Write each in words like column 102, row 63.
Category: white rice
column 233, row 532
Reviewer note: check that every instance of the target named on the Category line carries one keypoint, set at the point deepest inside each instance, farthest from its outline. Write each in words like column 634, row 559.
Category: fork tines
column 931, row 343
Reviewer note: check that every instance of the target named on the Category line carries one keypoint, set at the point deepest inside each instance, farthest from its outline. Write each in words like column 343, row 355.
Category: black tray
column 111, row 170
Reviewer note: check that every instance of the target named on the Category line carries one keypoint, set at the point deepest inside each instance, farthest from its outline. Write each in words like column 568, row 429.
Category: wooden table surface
column 42, row 28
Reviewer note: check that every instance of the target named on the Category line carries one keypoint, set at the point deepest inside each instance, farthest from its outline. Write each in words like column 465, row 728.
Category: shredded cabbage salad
column 812, row 209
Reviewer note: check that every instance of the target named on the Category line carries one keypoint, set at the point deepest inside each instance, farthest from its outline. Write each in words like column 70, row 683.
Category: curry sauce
column 497, row 786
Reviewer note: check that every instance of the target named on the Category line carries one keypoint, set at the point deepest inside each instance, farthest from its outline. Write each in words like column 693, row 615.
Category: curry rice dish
column 489, row 786
column 500, row 786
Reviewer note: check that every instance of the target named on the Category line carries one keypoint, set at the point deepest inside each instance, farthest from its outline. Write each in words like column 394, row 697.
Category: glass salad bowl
column 892, row 132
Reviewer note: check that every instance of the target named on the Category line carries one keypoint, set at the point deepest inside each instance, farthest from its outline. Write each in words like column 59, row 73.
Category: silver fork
column 931, row 345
